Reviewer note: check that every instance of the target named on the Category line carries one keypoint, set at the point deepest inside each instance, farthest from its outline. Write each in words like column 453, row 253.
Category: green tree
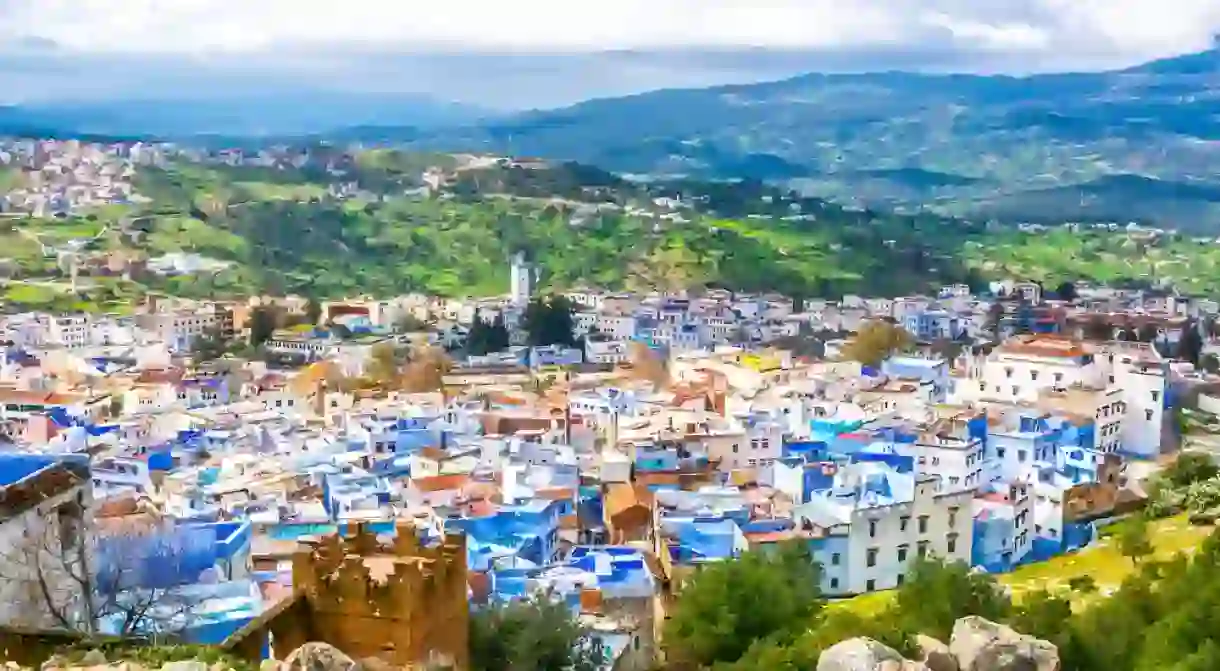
column 1133, row 540
column 548, row 321
column 1042, row 614
column 263, row 322
column 935, row 594
column 1190, row 343
column 478, row 338
column 875, row 342
column 209, row 346
column 534, row 635
column 728, row 606
column 313, row 311
column 1189, row 468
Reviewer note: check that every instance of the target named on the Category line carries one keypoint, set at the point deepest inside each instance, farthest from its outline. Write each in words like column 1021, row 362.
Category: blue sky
column 547, row 52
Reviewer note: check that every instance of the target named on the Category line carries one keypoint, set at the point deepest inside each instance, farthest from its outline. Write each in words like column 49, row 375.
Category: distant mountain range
column 274, row 115
column 1141, row 143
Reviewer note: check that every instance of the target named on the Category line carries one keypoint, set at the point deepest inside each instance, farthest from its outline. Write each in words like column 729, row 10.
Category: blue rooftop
column 17, row 467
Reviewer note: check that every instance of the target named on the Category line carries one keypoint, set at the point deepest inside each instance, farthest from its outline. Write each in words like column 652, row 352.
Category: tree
column 1189, row 468
column 1097, row 328
column 875, row 342
column 534, row 635
column 313, row 311
column 1041, row 614
column 485, row 338
column 935, row 594
column 995, row 314
column 648, row 365
column 124, row 582
column 1190, row 343
column 409, row 323
column 1133, row 540
column 209, row 346
column 728, row 606
column 1147, row 333
column 1066, row 291
column 262, row 324
column 383, row 363
column 425, row 370
column 548, row 321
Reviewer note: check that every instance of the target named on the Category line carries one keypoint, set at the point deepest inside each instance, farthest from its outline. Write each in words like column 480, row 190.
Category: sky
column 526, row 53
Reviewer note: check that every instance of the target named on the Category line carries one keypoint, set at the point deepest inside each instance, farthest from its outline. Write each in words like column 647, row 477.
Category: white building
column 878, row 521
column 1020, row 370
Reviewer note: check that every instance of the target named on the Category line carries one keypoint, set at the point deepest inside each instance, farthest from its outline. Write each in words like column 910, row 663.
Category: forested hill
column 583, row 227
column 367, row 224
column 1138, row 143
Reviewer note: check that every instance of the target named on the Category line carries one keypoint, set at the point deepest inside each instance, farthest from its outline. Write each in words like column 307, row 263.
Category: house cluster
column 60, row 177
column 683, row 430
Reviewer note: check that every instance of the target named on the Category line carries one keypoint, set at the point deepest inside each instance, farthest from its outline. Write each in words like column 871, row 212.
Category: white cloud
column 1132, row 28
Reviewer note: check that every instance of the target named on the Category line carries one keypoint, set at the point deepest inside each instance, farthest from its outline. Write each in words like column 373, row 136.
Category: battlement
column 397, row 600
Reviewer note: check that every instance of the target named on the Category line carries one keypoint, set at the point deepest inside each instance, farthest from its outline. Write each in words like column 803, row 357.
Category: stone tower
column 399, row 601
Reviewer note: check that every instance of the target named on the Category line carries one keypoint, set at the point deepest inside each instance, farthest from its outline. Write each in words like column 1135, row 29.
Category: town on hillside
column 207, row 456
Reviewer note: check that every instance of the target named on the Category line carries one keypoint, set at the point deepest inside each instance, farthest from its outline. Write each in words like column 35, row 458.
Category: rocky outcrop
column 308, row 657
column 864, row 654
column 318, row 657
column 935, row 655
column 982, row 645
column 976, row 645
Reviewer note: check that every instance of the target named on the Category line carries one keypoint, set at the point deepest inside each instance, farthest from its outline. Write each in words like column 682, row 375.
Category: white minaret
column 522, row 280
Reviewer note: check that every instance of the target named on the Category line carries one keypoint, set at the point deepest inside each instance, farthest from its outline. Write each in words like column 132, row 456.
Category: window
column 952, row 543
column 871, row 558
column 834, row 559
column 1008, row 372
column 953, row 516
column 901, row 578
column 922, row 549
column 834, row 583
column 1148, row 415
column 1155, row 395
column 1021, row 456
column 872, row 528
column 999, row 452
column 923, row 524
column 902, row 523
column 902, row 553
column 1033, row 375
column 870, row 586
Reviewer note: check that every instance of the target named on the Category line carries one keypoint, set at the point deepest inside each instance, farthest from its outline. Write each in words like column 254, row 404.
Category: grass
column 30, row 294
column 1101, row 561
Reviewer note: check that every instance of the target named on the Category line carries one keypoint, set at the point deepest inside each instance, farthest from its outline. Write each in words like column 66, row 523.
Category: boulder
column 319, row 657
column 185, row 665
column 94, row 657
column 935, row 654
column 982, row 645
column 864, row 654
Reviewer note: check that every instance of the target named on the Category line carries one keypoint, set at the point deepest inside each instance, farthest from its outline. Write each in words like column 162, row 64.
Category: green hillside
column 285, row 232
column 1029, row 147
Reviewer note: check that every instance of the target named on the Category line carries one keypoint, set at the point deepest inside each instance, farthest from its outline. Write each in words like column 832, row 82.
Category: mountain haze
column 1137, row 143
